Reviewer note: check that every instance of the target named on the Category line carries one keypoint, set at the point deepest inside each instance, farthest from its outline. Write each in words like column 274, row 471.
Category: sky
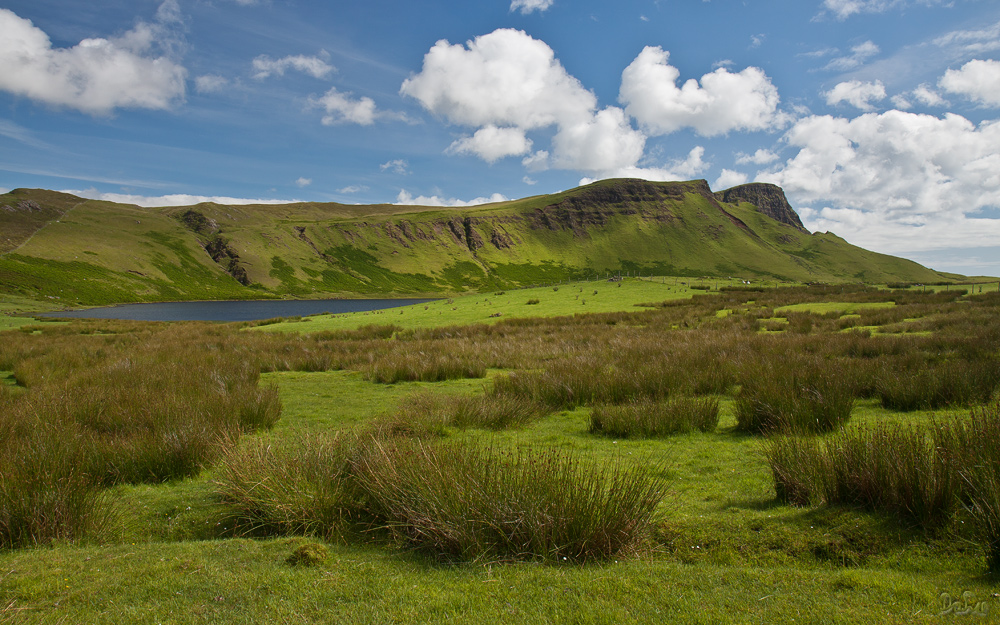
column 879, row 118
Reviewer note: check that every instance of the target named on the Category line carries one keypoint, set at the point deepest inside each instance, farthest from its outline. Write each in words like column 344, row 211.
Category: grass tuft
column 466, row 502
column 652, row 419
column 785, row 399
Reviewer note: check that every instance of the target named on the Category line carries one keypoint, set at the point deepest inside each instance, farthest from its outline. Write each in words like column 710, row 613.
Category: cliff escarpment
column 768, row 198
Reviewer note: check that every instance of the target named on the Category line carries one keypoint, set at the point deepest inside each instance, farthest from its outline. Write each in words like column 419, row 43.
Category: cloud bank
column 97, row 75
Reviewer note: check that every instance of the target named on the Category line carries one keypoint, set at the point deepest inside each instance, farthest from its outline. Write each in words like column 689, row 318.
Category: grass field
column 722, row 550
column 565, row 299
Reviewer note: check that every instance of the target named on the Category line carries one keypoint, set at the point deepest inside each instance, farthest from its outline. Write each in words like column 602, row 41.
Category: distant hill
column 91, row 252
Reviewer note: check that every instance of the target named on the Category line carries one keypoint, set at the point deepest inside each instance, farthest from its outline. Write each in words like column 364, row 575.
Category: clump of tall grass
column 974, row 442
column 427, row 414
column 431, row 366
column 926, row 385
column 451, row 500
column 924, row 475
column 493, row 412
column 467, row 502
column 140, row 412
column 300, row 485
column 884, row 468
column 780, row 397
column 796, row 464
column 45, row 491
column 651, row 419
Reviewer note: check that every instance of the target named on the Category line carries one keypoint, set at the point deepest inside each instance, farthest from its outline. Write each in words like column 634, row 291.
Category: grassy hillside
column 89, row 252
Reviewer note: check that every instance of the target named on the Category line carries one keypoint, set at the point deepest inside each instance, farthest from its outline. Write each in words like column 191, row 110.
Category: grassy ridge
column 98, row 252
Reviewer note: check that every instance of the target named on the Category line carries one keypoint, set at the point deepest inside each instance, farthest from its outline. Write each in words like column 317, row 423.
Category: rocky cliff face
column 768, row 198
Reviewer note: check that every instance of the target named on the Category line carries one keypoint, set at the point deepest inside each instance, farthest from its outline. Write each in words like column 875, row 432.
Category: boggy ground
column 721, row 547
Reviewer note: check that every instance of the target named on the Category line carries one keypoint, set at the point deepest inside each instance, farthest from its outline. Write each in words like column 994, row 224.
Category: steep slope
column 768, row 198
column 98, row 251
column 24, row 212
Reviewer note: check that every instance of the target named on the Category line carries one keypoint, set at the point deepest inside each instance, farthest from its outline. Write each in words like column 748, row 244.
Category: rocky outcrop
column 27, row 206
column 594, row 206
column 769, row 200
column 215, row 245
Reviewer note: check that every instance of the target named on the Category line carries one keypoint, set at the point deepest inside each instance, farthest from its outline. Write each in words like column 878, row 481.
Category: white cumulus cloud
column 729, row 178
column 857, row 93
column 603, row 143
column 529, row 6
column 504, row 78
column 97, row 75
column 491, row 143
column 406, row 198
column 316, row 66
column 896, row 181
column 303, row 182
column 507, row 83
column 175, row 199
column 760, row 157
column 687, row 168
column 722, row 102
column 342, row 108
column 928, row 96
column 396, row 166
column 977, row 80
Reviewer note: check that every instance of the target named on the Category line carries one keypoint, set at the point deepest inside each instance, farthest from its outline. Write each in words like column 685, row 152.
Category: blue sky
column 879, row 118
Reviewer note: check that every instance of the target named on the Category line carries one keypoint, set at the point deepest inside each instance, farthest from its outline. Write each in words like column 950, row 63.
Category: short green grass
column 822, row 308
column 553, row 301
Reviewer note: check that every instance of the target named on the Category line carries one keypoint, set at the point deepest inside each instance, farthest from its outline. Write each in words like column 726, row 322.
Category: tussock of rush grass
column 925, row 475
column 148, row 415
column 460, row 501
column 651, row 419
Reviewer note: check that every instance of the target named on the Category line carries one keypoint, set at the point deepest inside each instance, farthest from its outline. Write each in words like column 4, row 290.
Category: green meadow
column 662, row 450
column 566, row 298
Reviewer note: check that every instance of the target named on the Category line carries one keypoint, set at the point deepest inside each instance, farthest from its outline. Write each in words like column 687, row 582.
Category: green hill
column 91, row 252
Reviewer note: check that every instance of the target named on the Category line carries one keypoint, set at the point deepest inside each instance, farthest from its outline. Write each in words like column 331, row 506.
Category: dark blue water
column 233, row 310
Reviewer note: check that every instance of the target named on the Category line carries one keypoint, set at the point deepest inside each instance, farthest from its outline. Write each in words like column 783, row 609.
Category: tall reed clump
column 302, row 485
column 141, row 412
column 426, row 414
column 796, row 464
column 924, row 475
column 651, row 419
column 974, row 444
column 430, row 366
column 903, row 470
column 468, row 502
column 781, row 398
column 926, row 385
column 45, row 491
column 451, row 500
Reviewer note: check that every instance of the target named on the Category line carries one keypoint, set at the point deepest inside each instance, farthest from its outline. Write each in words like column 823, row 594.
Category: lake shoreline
column 231, row 311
